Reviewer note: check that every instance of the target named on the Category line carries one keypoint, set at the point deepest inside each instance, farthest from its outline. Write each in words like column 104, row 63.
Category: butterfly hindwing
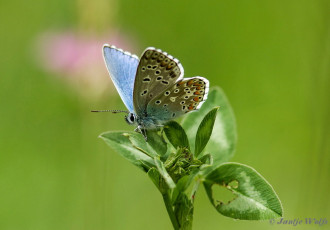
column 184, row 96
column 122, row 69
column 156, row 71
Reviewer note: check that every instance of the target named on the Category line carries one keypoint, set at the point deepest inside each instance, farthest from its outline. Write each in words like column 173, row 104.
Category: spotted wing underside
column 156, row 71
column 184, row 96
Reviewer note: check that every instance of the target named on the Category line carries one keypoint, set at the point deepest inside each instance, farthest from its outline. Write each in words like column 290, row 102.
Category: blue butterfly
column 153, row 88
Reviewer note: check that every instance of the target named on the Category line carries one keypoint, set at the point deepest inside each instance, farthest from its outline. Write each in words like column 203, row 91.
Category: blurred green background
column 272, row 58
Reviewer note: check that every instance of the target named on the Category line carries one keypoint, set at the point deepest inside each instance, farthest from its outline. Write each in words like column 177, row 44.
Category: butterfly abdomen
column 148, row 122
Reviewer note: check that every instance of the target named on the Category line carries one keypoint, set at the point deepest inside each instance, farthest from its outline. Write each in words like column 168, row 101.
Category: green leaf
column 146, row 165
column 222, row 142
column 154, row 176
column 254, row 198
column 130, row 145
column 139, row 143
column 157, row 142
column 157, row 180
column 205, row 130
column 161, row 169
column 176, row 134
column 183, row 184
column 207, row 159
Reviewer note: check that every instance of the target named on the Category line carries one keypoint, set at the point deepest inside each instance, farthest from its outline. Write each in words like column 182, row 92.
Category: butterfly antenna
column 112, row 111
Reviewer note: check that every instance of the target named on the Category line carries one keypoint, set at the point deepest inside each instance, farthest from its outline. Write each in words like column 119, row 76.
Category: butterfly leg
column 141, row 130
column 145, row 134
column 138, row 129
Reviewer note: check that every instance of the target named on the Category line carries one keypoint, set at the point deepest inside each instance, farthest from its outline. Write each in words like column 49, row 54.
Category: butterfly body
column 153, row 88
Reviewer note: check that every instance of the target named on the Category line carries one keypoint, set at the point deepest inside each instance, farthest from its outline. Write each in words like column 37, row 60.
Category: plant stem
column 170, row 212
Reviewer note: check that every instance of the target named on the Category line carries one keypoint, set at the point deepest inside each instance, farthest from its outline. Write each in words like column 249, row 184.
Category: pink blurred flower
column 78, row 60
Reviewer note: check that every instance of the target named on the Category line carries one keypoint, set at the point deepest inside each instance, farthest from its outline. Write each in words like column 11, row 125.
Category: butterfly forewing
column 182, row 97
column 122, row 69
column 156, row 71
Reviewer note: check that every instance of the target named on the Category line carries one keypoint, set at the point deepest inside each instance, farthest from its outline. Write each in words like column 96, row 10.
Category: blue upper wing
column 122, row 69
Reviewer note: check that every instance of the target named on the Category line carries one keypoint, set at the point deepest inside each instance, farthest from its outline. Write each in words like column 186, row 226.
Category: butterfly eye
column 130, row 119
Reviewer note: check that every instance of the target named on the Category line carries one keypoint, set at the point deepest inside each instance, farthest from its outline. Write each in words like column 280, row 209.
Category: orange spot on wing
column 190, row 82
column 169, row 67
column 198, row 88
column 197, row 93
column 196, row 99
column 190, row 107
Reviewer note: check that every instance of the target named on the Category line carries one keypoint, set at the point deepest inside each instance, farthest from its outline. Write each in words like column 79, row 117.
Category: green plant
column 197, row 152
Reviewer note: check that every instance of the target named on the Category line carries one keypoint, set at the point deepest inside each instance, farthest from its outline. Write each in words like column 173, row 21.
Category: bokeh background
column 270, row 57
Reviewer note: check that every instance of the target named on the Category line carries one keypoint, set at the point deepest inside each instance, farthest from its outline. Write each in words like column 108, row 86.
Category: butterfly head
column 131, row 119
